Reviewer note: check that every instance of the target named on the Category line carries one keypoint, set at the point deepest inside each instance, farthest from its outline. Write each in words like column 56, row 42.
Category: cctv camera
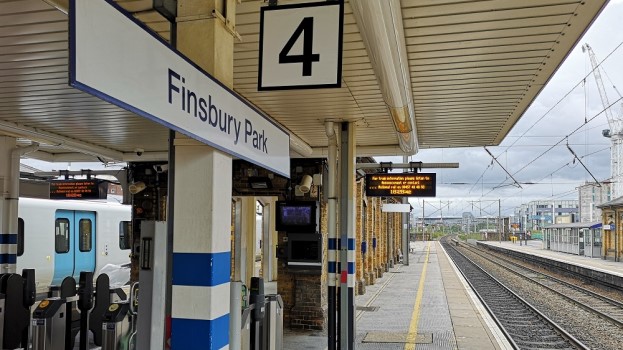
column 161, row 168
column 139, row 151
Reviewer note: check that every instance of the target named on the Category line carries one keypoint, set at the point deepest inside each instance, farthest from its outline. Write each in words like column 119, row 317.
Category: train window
column 125, row 234
column 61, row 242
column 20, row 237
column 85, row 235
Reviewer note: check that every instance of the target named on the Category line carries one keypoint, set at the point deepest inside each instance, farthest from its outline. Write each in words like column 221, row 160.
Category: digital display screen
column 305, row 250
column 296, row 215
column 78, row 189
column 401, row 185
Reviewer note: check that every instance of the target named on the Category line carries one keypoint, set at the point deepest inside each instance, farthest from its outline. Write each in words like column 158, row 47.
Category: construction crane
column 615, row 133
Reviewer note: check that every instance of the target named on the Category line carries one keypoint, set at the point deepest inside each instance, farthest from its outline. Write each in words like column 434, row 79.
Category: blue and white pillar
column 201, row 247
column 347, row 236
column 200, row 293
column 8, row 210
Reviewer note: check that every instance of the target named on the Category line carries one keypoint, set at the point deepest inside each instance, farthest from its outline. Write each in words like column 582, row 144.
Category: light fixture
column 137, row 187
column 306, row 183
column 380, row 25
column 260, row 182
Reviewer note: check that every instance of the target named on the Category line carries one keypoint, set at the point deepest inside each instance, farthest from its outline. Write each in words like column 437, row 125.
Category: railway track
column 606, row 308
column 524, row 326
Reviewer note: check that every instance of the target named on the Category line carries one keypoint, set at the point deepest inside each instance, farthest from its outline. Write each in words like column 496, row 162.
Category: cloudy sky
column 562, row 107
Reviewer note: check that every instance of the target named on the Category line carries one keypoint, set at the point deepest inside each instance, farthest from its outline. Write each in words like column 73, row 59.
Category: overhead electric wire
column 557, row 143
column 570, row 91
column 523, row 135
column 560, row 100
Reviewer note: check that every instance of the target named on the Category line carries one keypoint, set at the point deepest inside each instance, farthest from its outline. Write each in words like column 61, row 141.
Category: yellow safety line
column 415, row 316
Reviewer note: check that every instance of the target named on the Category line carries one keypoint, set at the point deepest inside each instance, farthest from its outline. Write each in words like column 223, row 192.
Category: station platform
column 425, row 305
column 535, row 247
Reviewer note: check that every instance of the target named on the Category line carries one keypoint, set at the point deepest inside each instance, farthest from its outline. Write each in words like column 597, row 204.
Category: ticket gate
column 119, row 323
column 116, row 326
column 266, row 321
column 52, row 319
column 48, row 324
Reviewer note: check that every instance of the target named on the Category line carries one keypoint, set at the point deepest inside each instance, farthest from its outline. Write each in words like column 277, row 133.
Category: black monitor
column 304, row 250
column 296, row 217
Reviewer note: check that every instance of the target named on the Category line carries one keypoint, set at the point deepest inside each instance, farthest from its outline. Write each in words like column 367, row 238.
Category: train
column 61, row 238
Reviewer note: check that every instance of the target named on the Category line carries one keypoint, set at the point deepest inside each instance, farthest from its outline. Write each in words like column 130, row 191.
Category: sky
column 561, row 107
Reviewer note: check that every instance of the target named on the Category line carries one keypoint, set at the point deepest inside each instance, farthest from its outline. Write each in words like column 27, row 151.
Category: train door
column 74, row 244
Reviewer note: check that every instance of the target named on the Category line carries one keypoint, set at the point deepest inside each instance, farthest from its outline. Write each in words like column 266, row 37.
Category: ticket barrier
column 52, row 319
column 245, row 329
column 119, row 323
column 116, row 326
column 104, row 297
column 273, row 322
column 266, row 322
column 68, row 312
column 19, row 295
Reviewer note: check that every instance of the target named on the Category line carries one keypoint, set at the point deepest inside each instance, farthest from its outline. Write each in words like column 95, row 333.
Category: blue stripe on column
column 331, row 267
column 332, row 243
column 8, row 239
column 201, row 269
column 8, row 258
column 351, row 268
column 199, row 334
column 351, row 244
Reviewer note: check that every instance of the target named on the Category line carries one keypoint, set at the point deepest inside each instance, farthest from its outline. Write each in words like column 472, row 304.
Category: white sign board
column 114, row 58
column 301, row 46
column 395, row 208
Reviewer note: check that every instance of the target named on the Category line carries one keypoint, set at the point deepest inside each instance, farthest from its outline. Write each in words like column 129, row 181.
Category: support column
column 248, row 238
column 202, row 204
column 405, row 226
column 347, row 237
column 269, row 237
column 201, row 248
column 8, row 237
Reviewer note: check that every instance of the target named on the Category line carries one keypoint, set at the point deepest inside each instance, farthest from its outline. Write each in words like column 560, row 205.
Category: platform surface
column 535, row 247
column 425, row 305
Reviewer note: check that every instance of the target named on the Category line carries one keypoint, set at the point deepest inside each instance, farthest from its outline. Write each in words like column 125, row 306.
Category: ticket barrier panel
column 273, row 322
column 119, row 323
column 48, row 324
column 245, row 328
column 52, row 319
column 116, row 326
column 104, row 296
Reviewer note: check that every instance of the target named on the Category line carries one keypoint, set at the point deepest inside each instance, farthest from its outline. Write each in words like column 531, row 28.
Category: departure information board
column 78, row 189
column 401, row 185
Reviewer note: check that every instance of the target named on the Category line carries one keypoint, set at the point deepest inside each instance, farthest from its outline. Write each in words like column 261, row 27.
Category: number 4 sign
column 301, row 46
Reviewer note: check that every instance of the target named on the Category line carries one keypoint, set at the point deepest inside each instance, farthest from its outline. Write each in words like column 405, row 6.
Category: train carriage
column 60, row 238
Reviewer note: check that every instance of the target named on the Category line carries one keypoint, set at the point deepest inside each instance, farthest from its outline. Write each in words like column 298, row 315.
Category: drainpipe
column 332, row 234
column 13, row 196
